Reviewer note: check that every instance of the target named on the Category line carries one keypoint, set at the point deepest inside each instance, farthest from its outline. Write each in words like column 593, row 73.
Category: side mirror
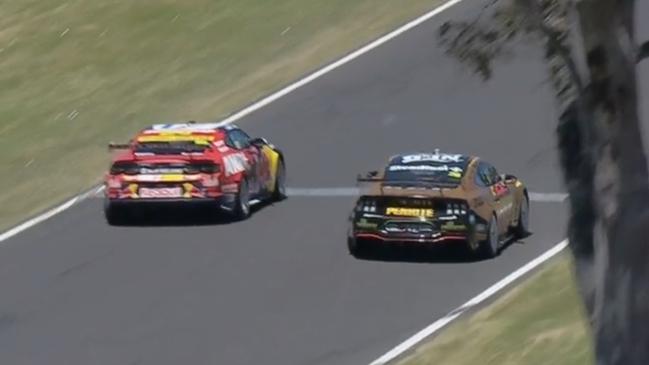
column 259, row 141
column 509, row 177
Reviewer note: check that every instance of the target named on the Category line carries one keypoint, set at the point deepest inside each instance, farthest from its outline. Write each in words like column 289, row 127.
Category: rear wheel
column 491, row 245
column 115, row 215
column 356, row 248
column 241, row 209
column 279, row 193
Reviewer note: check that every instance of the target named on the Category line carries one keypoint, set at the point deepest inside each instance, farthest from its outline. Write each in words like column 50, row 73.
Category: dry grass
column 541, row 322
column 76, row 74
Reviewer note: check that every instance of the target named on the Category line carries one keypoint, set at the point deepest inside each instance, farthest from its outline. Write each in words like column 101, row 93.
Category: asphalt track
column 280, row 288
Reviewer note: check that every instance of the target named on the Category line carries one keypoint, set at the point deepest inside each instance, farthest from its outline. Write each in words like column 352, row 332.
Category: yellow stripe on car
column 205, row 140
column 409, row 212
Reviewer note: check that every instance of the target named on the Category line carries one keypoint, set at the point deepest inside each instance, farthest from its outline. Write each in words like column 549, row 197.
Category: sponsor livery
column 193, row 163
column 426, row 199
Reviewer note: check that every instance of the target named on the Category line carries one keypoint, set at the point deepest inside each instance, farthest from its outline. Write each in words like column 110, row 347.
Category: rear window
column 436, row 168
column 170, row 147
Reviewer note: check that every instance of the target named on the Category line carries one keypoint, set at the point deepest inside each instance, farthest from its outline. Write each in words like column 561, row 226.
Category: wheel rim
column 243, row 198
column 525, row 215
column 493, row 235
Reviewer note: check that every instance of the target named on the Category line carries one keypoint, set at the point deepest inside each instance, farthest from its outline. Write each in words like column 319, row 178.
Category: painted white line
column 317, row 74
column 259, row 104
column 489, row 292
column 42, row 217
column 548, row 197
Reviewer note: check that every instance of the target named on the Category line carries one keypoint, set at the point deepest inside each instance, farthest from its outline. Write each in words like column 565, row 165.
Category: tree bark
column 620, row 274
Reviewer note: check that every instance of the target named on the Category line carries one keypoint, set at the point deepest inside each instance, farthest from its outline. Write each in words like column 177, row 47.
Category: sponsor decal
column 455, row 174
column 418, row 168
column 409, row 212
column 161, row 170
column 235, row 163
column 499, row 189
column 161, row 192
column 432, row 157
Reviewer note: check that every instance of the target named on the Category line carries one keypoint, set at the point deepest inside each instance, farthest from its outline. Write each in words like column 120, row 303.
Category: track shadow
column 449, row 254
column 183, row 216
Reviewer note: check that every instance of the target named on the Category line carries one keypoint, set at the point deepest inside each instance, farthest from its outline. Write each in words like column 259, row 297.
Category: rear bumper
column 382, row 238
column 223, row 201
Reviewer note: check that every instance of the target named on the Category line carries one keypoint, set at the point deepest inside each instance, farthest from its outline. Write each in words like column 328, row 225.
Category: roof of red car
column 198, row 133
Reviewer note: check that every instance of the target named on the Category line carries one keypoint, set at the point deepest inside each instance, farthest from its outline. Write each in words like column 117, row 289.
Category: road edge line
column 47, row 214
column 340, row 62
column 456, row 313
column 251, row 108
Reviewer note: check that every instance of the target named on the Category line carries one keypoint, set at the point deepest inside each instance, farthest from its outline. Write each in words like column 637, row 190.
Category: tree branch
column 553, row 40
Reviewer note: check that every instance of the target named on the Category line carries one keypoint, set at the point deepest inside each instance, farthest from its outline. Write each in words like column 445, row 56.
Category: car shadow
column 437, row 255
column 184, row 216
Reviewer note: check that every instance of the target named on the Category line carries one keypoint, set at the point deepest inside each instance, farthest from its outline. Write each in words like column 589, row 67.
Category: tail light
column 367, row 206
column 456, row 208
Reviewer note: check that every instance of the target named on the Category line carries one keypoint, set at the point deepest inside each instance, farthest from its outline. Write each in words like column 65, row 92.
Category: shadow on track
column 437, row 255
column 183, row 216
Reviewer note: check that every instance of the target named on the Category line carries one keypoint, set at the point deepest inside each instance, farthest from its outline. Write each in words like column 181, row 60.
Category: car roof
column 188, row 127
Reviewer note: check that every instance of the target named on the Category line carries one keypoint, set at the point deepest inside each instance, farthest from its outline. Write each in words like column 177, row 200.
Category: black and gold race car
column 430, row 199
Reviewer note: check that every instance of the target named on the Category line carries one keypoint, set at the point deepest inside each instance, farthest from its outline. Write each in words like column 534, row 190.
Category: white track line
column 271, row 98
column 50, row 213
column 257, row 105
column 490, row 292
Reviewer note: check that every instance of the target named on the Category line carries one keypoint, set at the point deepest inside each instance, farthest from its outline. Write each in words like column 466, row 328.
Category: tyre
column 115, row 215
column 241, row 209
column 522, row 229
column 490, row 247
column 279, row 193
column 355, row 248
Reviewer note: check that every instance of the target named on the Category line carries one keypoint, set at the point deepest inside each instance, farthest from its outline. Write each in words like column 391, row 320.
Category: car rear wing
column 112, row 146
column 373, row 178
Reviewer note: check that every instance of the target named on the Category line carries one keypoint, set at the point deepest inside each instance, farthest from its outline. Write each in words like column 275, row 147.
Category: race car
column 193, row 163
column 434, row 199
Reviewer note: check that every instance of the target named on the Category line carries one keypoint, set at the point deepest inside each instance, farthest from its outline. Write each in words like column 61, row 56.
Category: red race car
column 197, row 163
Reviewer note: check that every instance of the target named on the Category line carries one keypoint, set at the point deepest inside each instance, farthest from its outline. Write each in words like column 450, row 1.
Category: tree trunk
column 614, row 270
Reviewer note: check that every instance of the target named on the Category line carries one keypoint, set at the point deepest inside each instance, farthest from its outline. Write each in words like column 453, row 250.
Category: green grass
column 77, row 74
column 540, row 322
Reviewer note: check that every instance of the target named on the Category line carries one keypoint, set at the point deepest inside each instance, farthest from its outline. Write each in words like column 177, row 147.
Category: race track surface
column 281, row 289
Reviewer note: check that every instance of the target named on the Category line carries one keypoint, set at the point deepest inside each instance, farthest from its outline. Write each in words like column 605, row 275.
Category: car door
column 484, row 183
column 503, row 197
column 240, row 141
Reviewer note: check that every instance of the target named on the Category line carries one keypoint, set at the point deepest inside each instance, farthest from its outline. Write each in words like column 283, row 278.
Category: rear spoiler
column 372, row 177
column 118, row 146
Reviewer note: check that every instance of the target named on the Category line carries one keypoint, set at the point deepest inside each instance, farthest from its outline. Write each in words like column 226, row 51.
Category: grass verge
column 539, row 322
column 77, row 74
